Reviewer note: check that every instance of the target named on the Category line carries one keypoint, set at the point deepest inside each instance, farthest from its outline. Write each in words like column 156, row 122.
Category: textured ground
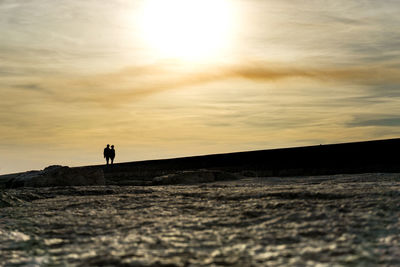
column 332, row 220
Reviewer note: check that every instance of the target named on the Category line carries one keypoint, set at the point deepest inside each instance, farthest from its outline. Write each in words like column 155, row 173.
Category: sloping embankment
column 358, row 157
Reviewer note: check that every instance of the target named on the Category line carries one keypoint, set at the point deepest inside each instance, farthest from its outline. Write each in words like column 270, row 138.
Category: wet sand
column 343, row 220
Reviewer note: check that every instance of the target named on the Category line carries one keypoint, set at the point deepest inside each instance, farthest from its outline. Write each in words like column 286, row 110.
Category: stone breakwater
column 344, row 220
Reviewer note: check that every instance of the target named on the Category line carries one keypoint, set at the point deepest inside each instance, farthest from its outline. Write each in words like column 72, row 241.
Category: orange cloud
column 137, row 82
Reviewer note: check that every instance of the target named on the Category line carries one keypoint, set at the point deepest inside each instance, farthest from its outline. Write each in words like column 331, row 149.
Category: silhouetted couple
column 109, row 153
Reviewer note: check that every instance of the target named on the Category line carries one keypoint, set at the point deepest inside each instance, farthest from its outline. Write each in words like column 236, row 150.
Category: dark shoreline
column 376, row 156
column 356, row 157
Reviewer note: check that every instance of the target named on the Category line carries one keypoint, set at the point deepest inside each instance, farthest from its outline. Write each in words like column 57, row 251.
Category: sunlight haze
column 188, row 30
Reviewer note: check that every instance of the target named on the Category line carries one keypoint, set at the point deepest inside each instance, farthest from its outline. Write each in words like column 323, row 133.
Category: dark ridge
column 357, row 157
column 346, row 158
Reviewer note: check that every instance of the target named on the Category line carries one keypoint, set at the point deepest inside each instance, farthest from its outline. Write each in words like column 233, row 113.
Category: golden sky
column 168, row 78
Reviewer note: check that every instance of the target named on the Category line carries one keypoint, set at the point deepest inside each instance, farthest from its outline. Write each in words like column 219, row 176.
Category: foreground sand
column 331, row 220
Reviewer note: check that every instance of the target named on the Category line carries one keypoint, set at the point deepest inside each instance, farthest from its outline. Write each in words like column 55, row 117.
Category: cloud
column 388, row 89
column 30, row 87
column 134, row 83
column 374, row 120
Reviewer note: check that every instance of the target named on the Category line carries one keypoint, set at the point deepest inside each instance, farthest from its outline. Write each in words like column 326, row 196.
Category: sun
column 190, row 30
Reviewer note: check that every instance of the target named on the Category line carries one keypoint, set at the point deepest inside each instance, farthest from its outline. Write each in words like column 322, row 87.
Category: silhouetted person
column 107, row 153
column 112, row 154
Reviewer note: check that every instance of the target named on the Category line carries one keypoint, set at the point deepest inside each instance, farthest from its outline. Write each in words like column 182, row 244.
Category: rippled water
column 333, row 220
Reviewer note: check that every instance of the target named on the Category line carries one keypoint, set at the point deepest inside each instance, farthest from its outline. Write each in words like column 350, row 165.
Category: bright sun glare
column 192, row 30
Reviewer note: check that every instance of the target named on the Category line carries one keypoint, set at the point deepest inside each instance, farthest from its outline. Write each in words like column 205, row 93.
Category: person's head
column 108, row 145
column 112, row 146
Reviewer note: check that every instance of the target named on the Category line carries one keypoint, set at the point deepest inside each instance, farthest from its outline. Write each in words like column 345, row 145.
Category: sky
column 171, row 78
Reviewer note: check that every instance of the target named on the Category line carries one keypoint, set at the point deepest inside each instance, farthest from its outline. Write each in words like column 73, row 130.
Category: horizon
column 167, row 79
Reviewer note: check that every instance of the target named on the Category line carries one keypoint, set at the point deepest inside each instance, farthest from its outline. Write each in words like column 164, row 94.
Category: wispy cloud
column 138, row 82
column 375, row 120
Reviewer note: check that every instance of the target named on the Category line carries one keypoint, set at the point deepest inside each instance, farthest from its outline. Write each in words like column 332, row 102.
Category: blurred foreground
column 336, row 219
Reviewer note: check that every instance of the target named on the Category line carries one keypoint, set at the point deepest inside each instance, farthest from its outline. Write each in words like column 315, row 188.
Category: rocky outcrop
column 58, row 176
column 192, row 177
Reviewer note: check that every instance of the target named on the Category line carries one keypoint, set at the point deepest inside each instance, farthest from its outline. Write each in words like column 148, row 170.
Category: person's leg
column 112, row 161
column 107, row 159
